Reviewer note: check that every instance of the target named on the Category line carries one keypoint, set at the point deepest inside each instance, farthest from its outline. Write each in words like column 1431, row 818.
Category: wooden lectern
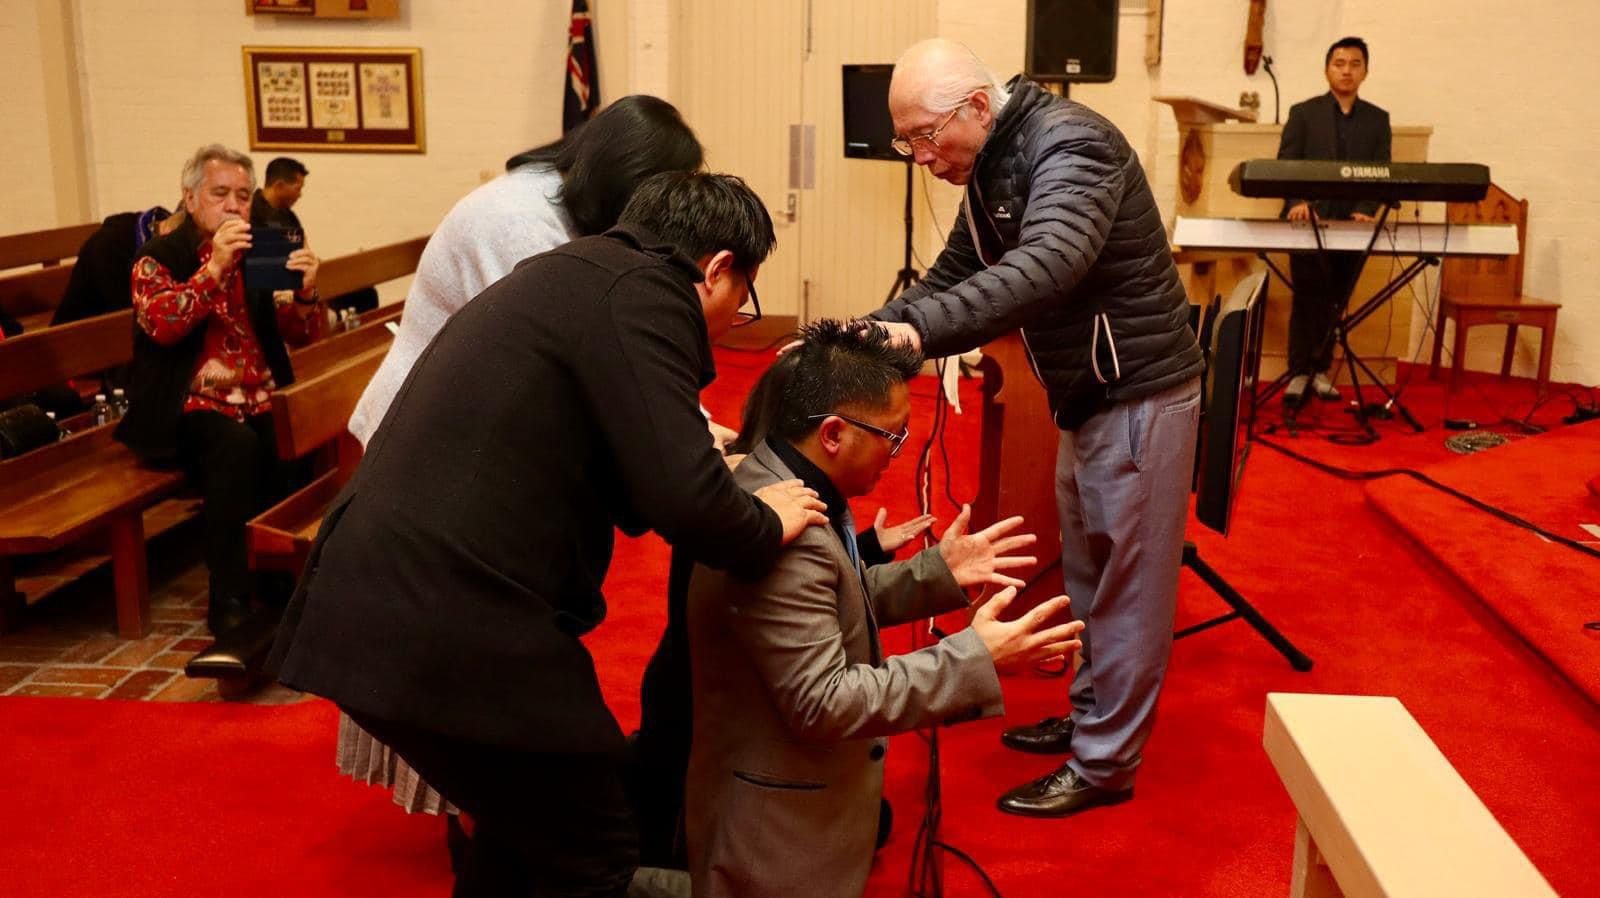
column 1017, row 455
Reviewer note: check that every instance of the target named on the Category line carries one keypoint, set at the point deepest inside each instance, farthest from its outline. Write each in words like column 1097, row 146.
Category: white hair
column 194, row 171
column 950, row 87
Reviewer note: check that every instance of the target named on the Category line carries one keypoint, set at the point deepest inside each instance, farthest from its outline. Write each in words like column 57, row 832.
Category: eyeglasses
column 896, row 440
column 741, row 318
column 905, row 146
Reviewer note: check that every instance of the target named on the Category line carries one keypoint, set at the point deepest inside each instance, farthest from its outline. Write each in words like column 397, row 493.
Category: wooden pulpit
column 1017, row 454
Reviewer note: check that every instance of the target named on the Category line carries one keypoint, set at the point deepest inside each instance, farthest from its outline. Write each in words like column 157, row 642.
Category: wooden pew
column 310, row 360
column 86, row 485
column 370, row 267
column 1381, row 813
column 31, row 294
column 1017, row 452
column 43, row 358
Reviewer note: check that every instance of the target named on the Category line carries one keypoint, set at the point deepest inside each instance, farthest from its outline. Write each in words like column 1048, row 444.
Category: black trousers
column 236, row 467
column 545, row 824
column 1321, row 290
column 666, row 732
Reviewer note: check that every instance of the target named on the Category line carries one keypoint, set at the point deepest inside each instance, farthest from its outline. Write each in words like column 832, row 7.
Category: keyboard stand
column 1348, row 322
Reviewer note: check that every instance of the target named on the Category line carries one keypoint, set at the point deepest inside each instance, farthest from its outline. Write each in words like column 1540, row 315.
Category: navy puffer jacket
column 1077, row 258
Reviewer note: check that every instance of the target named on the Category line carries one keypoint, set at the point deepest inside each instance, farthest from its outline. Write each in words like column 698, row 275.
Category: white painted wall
column 27, row 200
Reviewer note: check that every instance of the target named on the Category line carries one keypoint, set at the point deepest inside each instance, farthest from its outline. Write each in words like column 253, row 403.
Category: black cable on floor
column 1508, row 517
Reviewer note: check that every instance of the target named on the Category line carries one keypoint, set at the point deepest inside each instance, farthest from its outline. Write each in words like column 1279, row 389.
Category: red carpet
column 1544, row 591
column 157, row 800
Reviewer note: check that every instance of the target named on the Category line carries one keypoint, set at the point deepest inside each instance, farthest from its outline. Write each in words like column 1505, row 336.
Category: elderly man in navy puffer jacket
column 1060, row 237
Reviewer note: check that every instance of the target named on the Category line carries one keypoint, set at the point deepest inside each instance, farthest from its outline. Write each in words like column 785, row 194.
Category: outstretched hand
column 978, row 559
column 893, row 537
column 1030, row 639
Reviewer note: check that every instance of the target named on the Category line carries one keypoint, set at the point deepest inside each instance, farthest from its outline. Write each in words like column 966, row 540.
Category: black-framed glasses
column 905, row 146
column 896, row 440
column 741, row 317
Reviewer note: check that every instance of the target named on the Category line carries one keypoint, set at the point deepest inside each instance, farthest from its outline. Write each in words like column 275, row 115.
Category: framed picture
column 355, row 99
column 276, row 7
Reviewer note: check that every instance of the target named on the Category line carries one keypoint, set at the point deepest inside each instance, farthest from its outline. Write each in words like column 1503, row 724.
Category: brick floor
column 142, row 684
column 49, row 690
column 12, row 674
column 66, row 647
column 104, row 677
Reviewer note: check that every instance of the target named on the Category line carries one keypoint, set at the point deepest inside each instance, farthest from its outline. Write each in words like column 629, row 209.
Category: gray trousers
column 1122, row 490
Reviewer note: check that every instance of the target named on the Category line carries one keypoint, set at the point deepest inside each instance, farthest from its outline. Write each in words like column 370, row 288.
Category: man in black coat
column 102, row 277
column 1336, row 125
column 444, row 599
column 1060, row 236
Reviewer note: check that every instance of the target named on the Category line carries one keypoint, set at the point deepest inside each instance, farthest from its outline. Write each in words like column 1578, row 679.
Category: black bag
column 25, row 428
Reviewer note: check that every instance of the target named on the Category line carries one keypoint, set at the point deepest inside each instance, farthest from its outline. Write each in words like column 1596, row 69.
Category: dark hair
column 1353, row 43
column 701, row 213
column 603, row 160
column 285, row 169
column 840, row 365
column 762, row 405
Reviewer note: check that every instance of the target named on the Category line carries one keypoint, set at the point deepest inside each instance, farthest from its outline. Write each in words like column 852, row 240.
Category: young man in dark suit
column 1336, row 125
column 443, row 602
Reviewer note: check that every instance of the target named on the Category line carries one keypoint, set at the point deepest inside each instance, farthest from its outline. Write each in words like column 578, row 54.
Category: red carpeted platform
column 147, row 800
column 1544, row 591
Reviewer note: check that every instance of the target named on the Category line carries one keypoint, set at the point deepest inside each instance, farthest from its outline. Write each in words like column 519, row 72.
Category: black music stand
column 1348, row 321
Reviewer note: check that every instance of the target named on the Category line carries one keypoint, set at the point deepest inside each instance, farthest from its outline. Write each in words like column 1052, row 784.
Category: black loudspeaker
column 867, row 126
column 1072, row 41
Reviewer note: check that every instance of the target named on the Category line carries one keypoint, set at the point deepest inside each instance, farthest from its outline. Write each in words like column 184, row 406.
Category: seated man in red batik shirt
column 207, row 356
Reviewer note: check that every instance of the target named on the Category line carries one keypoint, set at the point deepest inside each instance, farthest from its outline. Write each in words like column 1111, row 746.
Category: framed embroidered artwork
column 355, row 99
column 288, row 7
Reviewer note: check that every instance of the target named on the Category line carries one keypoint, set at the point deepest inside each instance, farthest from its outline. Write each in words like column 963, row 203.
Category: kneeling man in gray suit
column 793, row 699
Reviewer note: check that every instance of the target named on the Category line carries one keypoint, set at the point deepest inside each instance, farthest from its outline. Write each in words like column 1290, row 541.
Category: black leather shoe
column 1060, row 794
column 1051, row 736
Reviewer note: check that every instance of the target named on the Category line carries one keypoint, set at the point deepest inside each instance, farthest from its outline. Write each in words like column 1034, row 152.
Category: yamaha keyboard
column 1393, row 238
column 1309, row 179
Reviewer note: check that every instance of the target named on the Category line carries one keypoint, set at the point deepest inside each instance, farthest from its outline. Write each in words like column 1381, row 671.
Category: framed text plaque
column 356, row 99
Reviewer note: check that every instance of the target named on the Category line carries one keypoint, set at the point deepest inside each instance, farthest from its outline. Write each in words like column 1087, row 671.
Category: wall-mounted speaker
column 1071, row 41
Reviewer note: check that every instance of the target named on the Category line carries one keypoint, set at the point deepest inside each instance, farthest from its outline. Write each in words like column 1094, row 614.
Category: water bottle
column 102, row 409
column 354, row 320
column 119, row 402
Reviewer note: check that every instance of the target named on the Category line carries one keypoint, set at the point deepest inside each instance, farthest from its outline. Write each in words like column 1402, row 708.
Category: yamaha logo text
column 1363, row 171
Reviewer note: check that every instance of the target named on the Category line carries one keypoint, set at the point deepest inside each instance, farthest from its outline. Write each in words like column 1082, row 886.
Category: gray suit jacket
column 794, row 701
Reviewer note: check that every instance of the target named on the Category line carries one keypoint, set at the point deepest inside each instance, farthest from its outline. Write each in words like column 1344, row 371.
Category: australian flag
column 582, row 95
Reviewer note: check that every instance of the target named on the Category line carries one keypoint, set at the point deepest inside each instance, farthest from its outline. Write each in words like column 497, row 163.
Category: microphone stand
column 1266, row 64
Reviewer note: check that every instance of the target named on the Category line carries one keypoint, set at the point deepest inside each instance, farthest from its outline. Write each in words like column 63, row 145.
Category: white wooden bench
column 1382, row 814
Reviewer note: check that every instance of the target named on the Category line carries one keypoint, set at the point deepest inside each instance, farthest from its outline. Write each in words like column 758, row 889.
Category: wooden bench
column 30, row 293
column 1382, row 814
column 85, row 485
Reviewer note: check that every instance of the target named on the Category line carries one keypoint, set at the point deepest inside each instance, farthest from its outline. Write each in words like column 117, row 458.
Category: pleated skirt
column 363, row 758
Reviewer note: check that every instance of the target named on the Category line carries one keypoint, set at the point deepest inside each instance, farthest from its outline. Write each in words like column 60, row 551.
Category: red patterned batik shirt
column 169, row 310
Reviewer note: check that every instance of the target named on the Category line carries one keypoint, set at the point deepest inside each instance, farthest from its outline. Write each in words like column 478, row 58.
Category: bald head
column 938, row 75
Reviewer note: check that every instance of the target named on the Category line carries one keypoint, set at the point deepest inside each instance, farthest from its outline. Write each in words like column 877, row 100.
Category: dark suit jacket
column 1311, row 134
column 454, row 574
